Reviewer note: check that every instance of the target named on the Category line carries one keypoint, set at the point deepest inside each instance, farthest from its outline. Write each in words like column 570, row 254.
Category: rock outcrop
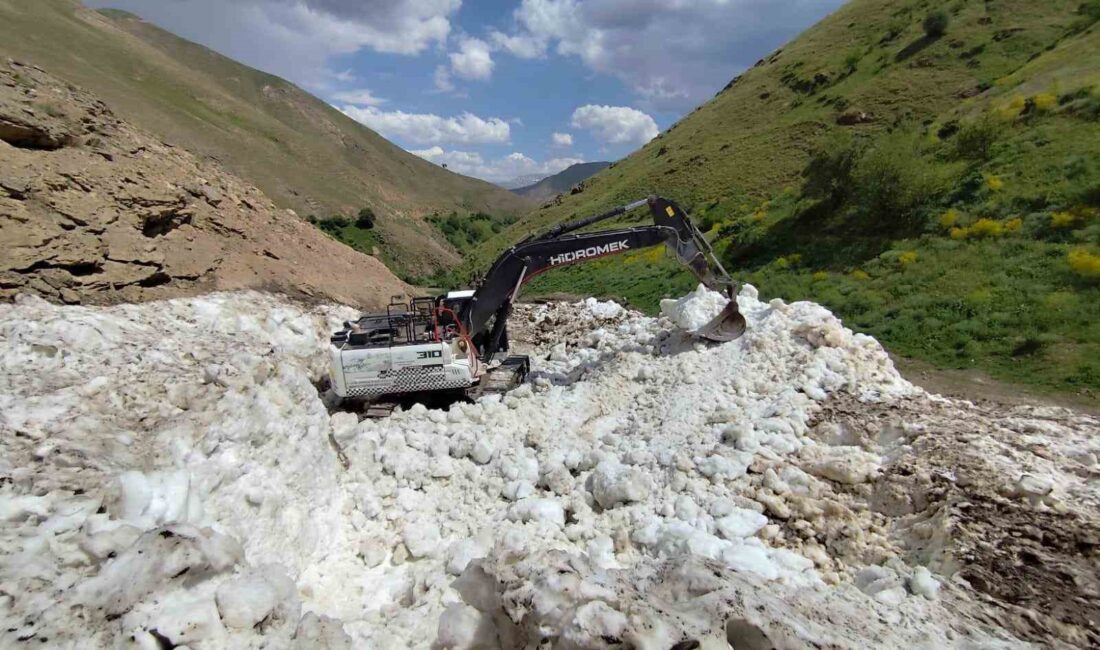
column 93, row 210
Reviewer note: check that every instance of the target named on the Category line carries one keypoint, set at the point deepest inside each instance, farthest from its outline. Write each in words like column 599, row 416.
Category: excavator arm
column 486, row 314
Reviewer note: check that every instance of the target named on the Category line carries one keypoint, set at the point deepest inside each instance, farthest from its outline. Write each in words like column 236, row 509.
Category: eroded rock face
column 93, row 210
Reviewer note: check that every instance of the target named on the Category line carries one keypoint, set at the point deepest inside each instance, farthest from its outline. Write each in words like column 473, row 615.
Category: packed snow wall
column 170, row 475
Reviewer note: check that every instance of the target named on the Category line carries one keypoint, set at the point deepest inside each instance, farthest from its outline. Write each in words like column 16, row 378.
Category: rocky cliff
column 93, row 210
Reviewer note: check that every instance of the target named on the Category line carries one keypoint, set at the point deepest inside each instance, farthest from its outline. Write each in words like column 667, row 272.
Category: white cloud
column 360, row 97
column 427, row 128
column 615, row 124
column 673, row 53
column 524, row 46
column 472, row 60
column 442, row 79
column 501, row 169
column 562, row 140
column 297, row 39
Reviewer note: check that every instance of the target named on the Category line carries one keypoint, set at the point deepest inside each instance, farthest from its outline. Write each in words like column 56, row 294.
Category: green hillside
column 930, row 170
column 300, row 151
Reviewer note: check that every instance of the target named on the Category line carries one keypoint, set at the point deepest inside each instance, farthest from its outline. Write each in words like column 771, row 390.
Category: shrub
column 987, row 229
column 828, row 174
column 333, row 225
column 365, row 220
column 935, row 24
column 860, row 275
column 907, row 257
column 984, row 227
column 819, row 276
column 993, row 182
column 976, row 139
column 1045, row 101
column 893, row 180
column 1063, row 219
column 851, row 60
column 949, row 218
column 1084, row 264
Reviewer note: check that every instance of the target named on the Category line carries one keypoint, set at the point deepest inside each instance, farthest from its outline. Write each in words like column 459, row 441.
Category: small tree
column 365, row 220
column 935, row 24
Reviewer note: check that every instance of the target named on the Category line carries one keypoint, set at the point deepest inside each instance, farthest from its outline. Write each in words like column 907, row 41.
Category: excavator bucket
column 726, row 326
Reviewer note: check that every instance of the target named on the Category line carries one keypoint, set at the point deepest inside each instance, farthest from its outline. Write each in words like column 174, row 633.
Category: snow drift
column 171, row 474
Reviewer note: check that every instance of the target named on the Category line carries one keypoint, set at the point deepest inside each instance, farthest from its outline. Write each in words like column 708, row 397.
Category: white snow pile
column 171, row 476
column 696, row 309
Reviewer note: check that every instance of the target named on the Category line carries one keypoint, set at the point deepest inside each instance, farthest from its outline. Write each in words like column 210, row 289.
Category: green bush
column 365, row 220
column 828, row 174
column 333, row 225
column 893, row 180
column 465, row 231
column 975, row 139
column 935, row 24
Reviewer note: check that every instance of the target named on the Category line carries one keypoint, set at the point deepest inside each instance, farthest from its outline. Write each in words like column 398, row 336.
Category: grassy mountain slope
column 300, row 151
column 561, row 182
column 938, row 191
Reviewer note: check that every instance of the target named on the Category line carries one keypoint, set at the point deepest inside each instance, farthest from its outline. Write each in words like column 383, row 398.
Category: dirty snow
column 170, row 474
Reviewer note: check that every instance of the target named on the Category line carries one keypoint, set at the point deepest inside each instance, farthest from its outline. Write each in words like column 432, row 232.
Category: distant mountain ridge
column 521, row 181
column 296, row 148
column 563, row 181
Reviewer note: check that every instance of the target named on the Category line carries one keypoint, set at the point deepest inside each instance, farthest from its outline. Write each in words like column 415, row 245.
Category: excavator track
column 508, row 375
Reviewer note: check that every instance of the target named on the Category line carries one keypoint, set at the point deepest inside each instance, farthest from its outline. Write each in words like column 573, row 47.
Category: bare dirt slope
column 300, row 151
column 94, row 210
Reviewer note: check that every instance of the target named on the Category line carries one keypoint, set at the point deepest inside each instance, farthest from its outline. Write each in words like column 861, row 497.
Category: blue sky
column 498, row 88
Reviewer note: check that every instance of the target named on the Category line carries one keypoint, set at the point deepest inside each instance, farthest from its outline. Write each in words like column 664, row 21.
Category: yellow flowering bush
column 820, row 275
column 1084, row 263
column 1062, row 219
column 1045, row 101
column 949, row 218
column 907, row 258
column 1012, row 108
column 993, row 182
column 985, row 228
column 860, row 275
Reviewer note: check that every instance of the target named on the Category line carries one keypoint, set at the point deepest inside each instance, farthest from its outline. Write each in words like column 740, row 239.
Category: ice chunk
column 722, row 467
column 321, row 632
column 612, row 483
column 922, row 582
column 464, row 628
column 183, row 621
column 696, row 309
column 593, row 622
column 156, row 557
column 754, row 559
column 247, row 599
column 740, row 523
column 148, row 500
column 603, row 310
column 461, row 553
column 1036, row 489
column 422, row 539
column 534, row 509
column 13, row 508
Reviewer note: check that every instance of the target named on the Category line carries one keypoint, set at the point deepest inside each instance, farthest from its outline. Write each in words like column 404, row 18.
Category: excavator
column 459, row 341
